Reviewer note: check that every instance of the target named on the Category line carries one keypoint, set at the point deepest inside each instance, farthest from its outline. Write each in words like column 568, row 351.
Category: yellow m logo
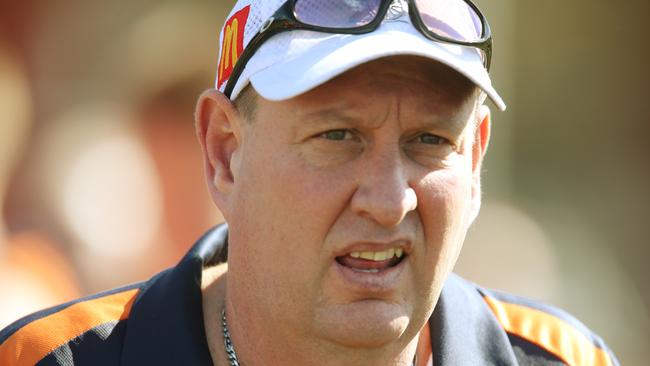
column 229, row 54
column 232, row 44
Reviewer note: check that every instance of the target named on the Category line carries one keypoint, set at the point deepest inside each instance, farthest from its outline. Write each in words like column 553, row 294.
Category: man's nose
column 384, row 194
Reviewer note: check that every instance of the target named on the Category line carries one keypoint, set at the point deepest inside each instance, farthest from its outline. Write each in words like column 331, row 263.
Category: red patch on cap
column 232, row 44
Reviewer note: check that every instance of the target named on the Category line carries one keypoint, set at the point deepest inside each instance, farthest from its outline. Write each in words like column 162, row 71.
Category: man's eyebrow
column 432, row 121
column 449, row 119
column 331, row 115
column 444, row 122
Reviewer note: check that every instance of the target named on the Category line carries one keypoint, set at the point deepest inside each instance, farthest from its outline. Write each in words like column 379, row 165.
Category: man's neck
column 213, row 288
column 270, row 347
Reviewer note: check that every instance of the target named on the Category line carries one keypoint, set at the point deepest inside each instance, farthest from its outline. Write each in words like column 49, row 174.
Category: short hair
column 246, row 103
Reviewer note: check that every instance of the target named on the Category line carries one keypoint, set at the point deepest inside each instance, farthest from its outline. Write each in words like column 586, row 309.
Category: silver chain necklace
column 230, row 350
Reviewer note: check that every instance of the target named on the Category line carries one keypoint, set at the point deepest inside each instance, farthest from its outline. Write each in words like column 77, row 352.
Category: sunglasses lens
column 453, row 19
column 336, row 13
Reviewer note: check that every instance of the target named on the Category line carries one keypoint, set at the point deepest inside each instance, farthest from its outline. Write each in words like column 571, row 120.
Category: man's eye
column 337, row 135
column 427, row 138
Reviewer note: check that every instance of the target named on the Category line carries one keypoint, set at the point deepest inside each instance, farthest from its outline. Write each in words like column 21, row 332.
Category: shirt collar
column 166, row 321
column 464, row 330
column 165, row 326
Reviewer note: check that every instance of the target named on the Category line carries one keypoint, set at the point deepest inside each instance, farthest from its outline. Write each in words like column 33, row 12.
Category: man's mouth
column 372, row 261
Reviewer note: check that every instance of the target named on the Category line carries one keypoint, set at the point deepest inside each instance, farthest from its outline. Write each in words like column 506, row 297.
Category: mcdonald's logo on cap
column 232, row 44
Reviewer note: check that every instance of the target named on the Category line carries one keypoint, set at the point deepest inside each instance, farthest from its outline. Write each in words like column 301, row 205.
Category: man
column 343, row 144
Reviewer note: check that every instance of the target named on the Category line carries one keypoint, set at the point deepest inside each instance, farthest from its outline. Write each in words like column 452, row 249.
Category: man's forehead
column 432, row 87
column 425, row 86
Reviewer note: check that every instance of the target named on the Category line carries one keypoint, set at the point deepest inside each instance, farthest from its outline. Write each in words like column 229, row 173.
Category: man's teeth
column 379, row 256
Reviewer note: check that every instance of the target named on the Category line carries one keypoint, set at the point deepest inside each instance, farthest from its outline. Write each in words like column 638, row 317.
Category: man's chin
column 364, row 324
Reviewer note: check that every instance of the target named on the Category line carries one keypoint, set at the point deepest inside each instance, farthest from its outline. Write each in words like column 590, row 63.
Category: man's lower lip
column 371, row 280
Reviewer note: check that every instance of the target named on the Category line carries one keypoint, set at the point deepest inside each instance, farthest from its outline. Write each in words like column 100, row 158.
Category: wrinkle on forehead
column 415, row 85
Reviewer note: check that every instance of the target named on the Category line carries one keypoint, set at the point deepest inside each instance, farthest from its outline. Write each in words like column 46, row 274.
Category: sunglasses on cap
column 458, row 22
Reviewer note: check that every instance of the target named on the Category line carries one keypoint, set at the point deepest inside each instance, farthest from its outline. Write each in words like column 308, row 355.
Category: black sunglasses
column 452, row 21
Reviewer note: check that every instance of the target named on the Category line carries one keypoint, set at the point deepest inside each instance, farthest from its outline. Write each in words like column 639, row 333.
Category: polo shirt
column 160, row 322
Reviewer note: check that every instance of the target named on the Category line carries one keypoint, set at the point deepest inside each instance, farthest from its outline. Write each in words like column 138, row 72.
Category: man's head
column 347, row 204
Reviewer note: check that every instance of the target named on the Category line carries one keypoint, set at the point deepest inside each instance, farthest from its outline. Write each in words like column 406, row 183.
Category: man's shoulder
column 54, row 335
column 540, row 332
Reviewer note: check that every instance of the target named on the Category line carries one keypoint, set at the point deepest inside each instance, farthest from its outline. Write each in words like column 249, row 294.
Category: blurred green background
column 99, row 168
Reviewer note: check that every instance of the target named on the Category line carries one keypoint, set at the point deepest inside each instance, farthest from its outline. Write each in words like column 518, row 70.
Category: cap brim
column 336, row 54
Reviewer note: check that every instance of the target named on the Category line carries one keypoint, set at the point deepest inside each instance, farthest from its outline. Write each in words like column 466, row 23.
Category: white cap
column 294, row 62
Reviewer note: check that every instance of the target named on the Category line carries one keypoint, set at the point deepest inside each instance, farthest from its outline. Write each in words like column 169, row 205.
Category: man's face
column 381, row 160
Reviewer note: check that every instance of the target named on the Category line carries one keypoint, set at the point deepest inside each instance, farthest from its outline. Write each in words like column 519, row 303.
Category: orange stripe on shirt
column 424, row 351
column 549, row 332
column 36, row 340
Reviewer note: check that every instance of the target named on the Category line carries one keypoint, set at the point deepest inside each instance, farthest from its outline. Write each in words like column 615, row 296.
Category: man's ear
column 479, row 148
column 218, row 128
